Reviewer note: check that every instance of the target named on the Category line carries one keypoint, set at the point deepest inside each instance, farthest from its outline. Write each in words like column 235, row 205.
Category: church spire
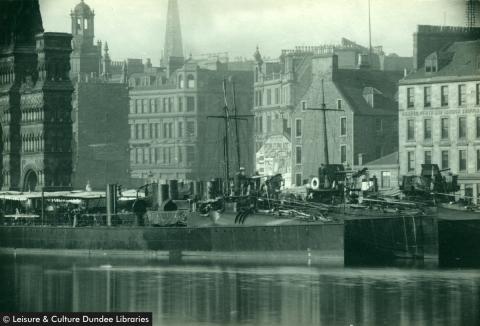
column 173, row 33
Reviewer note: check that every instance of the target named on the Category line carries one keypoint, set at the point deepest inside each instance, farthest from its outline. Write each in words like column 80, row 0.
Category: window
column 151, row 132
column 427, row 157
column 153, row 107
column 139, row 106
column 181, row 83
column 343, row 126
column 157, row 155
column 190, row 81
column 444, row 124
column 145, row 106
column 478, row 159
column 190, row 128
column 343, row 154
column 478, row 94
column 304, row 105
column 170, row 104
column 179, row 155
column 444, row 95
column 167, row 130
column 462, row 160
column 269, row 96
column 144, row 131
column 180, row 104
column 385, row 179
column 378, row 125
column 190, row 154
column 298, row 155
column 165, row 105
column 427, row 96
column 427, row 129
column 277, row 95
column 260, row 124
column 132, row 106
column 190, row 104
column 462, row 127
column 146, row 155
column 269, row 124
column 411, row 161
column 298, row 127
column 410, row 129
column 445, row 160
column 180, row 129
column 477, row 125
column 462, row 95
column 137, row 131
column 339, row 104
column 298, row 179
column 410, row 97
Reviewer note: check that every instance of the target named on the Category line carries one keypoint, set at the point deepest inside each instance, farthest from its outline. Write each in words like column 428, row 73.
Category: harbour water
column 227, row 292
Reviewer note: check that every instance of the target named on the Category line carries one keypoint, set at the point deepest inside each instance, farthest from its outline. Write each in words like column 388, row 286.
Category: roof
column 82, row 9
column 460, row 59
column 390, row 159
column 355, row 83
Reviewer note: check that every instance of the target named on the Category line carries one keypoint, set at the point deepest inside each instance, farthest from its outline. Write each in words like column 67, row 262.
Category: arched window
column 181, row 83
column 190, row 81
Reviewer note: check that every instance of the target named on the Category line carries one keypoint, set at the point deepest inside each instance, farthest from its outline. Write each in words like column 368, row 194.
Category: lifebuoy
column 315, row 183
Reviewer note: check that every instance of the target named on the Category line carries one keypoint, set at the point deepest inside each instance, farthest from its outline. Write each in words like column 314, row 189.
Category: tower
column 173, row 49
column 86, row 55
column 35, row 100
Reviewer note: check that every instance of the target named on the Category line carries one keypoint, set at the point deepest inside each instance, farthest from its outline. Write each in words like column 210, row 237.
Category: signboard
column 275, row 156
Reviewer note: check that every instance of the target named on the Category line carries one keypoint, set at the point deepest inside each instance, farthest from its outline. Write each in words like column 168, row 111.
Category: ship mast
column 226, row 118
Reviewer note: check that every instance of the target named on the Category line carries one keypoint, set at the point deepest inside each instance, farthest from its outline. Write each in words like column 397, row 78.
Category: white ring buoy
column 315, row 183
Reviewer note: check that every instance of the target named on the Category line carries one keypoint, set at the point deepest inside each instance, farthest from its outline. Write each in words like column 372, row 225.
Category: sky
column 136, row 28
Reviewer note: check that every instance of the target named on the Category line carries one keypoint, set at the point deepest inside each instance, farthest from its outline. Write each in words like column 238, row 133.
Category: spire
column 173, row 34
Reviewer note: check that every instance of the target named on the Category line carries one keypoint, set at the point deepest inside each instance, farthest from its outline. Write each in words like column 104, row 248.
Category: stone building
column 289, row 138
column 171, row 136
column 35, row 101
column 439, row 107
column 100, row 107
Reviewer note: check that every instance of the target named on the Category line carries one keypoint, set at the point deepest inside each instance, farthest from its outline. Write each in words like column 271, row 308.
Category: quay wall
column 318, row 237
column 459, row 243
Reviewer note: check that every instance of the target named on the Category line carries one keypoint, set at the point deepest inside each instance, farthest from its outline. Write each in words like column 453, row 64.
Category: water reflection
column 247, row 295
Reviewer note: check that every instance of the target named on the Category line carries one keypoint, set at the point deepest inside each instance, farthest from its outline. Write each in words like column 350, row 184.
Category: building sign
column 275, row 156
column 429, row 113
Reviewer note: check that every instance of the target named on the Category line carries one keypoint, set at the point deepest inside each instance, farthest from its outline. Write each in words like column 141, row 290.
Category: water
column 229, row 293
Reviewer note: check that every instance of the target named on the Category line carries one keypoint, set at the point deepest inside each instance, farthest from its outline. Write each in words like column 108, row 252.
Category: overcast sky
column 135, row 28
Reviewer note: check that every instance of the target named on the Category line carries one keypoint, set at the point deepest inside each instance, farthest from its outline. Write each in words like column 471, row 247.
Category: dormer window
column 431, row 63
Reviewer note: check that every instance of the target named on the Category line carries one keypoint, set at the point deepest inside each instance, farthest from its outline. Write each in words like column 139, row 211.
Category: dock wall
column 328, row 237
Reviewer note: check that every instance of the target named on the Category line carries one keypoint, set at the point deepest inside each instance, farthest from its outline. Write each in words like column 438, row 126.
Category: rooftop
column 390, row 159
column 460, row 59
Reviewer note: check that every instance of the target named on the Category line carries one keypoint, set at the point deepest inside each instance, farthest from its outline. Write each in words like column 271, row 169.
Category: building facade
column 100, row 108
column 439, row 122
column 289, row 136
column 35, row 101
column 172, row 133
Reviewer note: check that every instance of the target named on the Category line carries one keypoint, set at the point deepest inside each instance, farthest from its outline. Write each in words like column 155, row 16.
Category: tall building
column 171, row 134
column 440, row 114
column 100, row 108
column 35, row 101
column 289, row 138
